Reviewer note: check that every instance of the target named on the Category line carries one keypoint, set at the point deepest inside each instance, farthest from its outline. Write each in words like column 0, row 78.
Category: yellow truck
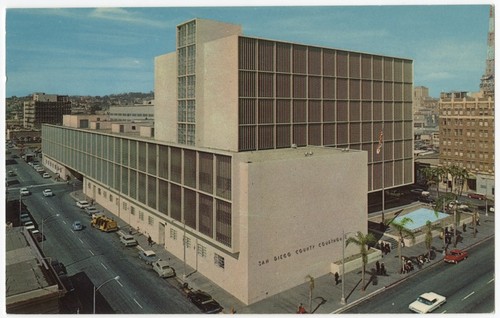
column 104, row 223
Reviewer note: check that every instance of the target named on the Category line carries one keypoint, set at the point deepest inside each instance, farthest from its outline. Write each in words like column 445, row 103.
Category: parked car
column 47, row 193
column 204, row 302
column 162, row 268
column 11, row 173
column 91, row 210
column 455, row 256
column 25, row 218
column 477, row 196
column 427, row 303
column 58, row 267
column 24, row 191
column 148, row 256
column 128, row 240
column 37, row 235
column 77, row 226
column 417, row 191
column 29, row 225
column 45, row 175
column 82, row 204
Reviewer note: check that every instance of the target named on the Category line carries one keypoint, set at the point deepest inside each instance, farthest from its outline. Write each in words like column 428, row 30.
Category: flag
column 380, row 142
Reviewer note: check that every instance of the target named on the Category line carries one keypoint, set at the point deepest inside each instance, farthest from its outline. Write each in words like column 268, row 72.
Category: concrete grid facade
column 241, row 126
column 45, row 109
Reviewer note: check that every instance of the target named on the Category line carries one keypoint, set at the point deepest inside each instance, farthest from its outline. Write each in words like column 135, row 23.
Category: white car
column 148, row 256
column 82, row 204
column 45, row 175
column 47, row 193
column 24, row 191
column 91, row 210
column 128, row 240
column 163, row 269
column 29, row 225
column 427, row 302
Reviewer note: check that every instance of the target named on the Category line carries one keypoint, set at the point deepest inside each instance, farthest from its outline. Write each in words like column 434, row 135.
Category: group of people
column 380, row 267
column 423, row 259
column 407, row 265
column 385, row 248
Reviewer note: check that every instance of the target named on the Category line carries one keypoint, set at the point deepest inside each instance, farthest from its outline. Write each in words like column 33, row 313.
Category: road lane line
column 91, row 253
column 137, row 303
column 444, row 312
column 80, row 240
column 64, row 222
column 104, row 266
column 468, row 296
column 491, row 280
column 119, row 283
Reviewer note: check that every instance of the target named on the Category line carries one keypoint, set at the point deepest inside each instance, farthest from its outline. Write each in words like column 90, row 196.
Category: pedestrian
column 388, row 248
column 377, row 265
column 150, row 240
column 402, row 242
column 382, row 269
column 336, row 276
column 464, row 227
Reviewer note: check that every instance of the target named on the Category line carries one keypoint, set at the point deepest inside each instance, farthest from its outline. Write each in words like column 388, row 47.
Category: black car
column 204, row 301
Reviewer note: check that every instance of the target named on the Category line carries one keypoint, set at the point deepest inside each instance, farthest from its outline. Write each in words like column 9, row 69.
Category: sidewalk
column 326, row 295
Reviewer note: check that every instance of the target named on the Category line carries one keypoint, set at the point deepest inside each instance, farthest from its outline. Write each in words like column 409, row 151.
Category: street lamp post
column 184, row 246
column 96, row 289
column 43, row 222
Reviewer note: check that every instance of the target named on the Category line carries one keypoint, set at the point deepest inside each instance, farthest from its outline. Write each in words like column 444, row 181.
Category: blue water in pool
column 420, row 217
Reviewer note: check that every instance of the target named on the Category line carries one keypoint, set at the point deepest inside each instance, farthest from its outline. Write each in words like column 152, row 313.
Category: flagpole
column 380, row 150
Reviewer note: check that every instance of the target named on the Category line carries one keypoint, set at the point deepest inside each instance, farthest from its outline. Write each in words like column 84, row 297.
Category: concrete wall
column 217, row 95
column 297, row 209
column 166, row 97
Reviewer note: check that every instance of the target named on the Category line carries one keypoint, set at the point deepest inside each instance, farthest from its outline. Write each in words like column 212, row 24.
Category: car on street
column 91, row 210
column 148, row 256
column 82, row 204
column 77, row 226
column 29, row 225
column 25, row 218
column 455, row 256
column 24, row 191
column 477, row 196
column 37, row 235
column 163, row 269
column 47, row 193
column 427, row 303
column 204, row 302
column 11, row 173
column 45, row 175
column 128, row 240
column 58, row 267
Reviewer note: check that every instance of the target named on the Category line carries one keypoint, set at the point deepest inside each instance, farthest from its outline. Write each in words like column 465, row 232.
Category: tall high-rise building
column 256, row 168
column 45, row 109
column 488, row 80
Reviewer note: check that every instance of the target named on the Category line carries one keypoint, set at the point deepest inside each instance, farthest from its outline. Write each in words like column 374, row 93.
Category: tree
column 363, row 241
column 429, row 227
column 403, row 231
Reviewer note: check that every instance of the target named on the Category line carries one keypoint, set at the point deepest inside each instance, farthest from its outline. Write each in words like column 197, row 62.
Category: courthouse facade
column 256, row 158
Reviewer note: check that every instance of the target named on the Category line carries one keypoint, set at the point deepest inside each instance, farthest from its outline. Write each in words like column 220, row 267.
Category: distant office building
column 425, row 109
column 242, row 126
column 45, row 109
column 132, row 113
column 467, row 131
column 488, row 80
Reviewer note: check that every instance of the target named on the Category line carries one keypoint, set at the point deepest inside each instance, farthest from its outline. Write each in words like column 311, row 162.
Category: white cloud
column 122, row 15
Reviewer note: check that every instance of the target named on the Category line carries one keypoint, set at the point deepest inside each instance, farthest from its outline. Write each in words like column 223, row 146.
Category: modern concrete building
column 45, row 109
column 130, row 113
column 257, row 166
column 425, row 109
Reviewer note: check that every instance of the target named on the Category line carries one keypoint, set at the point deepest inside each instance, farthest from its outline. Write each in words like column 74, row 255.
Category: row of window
column 273, row 56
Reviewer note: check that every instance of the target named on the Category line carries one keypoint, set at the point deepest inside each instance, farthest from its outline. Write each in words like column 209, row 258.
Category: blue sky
column 102, row 51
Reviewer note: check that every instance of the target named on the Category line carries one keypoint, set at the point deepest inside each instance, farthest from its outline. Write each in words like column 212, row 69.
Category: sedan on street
column 77, row 226
column 47, row 193
column 148, row 256
column 204, row 302
column 427, row 303
column 455, row 256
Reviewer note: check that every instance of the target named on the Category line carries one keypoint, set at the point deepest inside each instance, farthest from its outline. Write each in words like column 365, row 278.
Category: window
column 141, row 215
column 132, row 210
column 218, row 260
column 187, row 241
column 151, row 220
column 173, row 234
column 111, row 198
column 125, row 205
column 202, row 250
column 99, row 191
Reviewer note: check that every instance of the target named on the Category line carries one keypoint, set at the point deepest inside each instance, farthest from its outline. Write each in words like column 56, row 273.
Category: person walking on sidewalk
column 301, row 309
column 150, row 240
column 336, row 276
column 382, row 269
column 377, row 266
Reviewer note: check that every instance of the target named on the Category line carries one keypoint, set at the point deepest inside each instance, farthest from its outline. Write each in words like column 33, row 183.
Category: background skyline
column 103, row 51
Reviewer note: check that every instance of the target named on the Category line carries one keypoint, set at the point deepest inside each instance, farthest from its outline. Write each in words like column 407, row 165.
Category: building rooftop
column 292, row 153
